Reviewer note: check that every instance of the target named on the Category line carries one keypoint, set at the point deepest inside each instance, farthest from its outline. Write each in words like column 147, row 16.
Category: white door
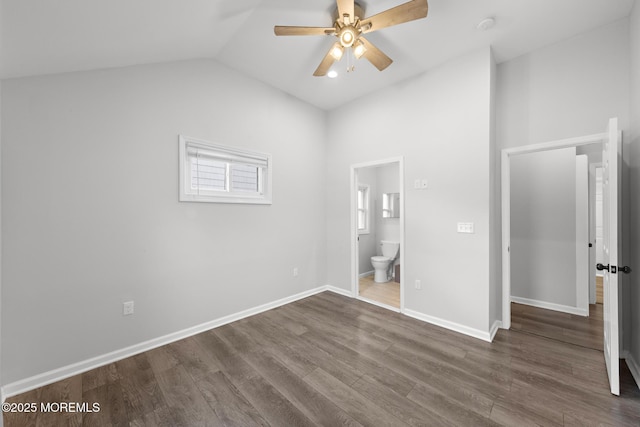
column 611, row 251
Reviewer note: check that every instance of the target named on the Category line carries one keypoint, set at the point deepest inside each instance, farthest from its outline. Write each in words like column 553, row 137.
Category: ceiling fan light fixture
column 337, row 52
column 350, row 24
column 347, row 36
column 332, row 74
column 359, row 49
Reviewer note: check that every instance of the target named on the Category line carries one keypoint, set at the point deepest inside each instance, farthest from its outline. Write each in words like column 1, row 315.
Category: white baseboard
column 633, row 366
column 550, row 306
column 340, row 291
column 64, row 372
column 366, row 274
column 494, row 329
column 475, row 333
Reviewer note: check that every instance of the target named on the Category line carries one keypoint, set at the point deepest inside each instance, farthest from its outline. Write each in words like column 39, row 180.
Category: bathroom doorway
column 377, row 232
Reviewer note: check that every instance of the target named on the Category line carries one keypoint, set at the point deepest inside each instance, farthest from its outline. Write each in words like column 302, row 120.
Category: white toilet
column 383, row 264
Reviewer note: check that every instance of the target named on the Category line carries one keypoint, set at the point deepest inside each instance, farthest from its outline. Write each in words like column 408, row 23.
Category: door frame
column 593, row 167
column 506, row 155
column 582, row 234
column 354, row 228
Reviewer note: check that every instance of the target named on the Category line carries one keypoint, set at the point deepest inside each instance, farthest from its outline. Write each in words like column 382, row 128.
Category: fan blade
column 326, row 63
column 281, row 30
column 375, row 55
column 345, row 7
column 410, row 11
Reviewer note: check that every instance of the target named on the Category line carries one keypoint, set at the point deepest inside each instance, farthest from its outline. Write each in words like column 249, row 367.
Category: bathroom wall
column 380, row 179
column 368, row 243
column 388, row 182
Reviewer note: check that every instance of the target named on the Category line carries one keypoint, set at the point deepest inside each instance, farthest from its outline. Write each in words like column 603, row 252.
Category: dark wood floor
column 569, row 328
column 330, row 360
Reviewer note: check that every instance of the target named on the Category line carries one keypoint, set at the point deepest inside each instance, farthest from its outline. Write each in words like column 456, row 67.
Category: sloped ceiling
column 43, row 37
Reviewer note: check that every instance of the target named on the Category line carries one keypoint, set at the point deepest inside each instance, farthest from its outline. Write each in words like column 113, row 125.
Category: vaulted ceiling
column 42, row 37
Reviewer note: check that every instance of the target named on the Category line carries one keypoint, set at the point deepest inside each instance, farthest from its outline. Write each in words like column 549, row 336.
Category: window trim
column 222, row 152
column 366, row 209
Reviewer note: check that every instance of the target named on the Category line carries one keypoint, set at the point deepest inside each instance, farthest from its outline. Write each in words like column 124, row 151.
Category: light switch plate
column 465, row 227
column 127, row 308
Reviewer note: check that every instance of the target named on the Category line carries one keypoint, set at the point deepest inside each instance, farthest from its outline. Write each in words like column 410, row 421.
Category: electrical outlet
column 127, row 308
column 295, row 271
column 417, row 184
column 418, row 284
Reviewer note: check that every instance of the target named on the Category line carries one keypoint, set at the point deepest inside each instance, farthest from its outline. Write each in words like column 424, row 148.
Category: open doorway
column 611, row 142
column 377, row 232
column 555, row 217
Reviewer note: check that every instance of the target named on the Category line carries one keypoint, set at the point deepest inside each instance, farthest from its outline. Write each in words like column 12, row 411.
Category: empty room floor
column 386, row 293
column 569, row 328
column 332, row 360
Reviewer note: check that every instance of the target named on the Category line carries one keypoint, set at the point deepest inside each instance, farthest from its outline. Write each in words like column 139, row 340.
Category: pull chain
column 350, row 61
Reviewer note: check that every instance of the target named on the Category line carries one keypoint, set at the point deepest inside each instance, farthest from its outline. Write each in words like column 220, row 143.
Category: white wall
column 543, row 232
column 565, row 90
column 368, row 245
column 634, row 188
column 388, row 179
column 599, row 218
column 1, row 396
column 440, row 123
column 91, row 216
column 495, row 250
column 581, row 243
column 568, row 89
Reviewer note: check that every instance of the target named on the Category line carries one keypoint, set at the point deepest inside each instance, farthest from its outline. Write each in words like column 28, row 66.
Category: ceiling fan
column 349, row 27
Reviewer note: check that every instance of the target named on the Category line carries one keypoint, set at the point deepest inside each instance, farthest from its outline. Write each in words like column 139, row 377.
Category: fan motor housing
column 357, row 10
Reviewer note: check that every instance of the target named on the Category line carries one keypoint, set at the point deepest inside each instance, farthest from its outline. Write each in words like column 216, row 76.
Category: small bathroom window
column 363, row 209
column 220, row 174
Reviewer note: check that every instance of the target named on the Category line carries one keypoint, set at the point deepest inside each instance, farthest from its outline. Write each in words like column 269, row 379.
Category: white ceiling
column 42, row 37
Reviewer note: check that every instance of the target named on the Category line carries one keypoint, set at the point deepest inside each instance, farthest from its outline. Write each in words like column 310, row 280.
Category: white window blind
column 216, row 173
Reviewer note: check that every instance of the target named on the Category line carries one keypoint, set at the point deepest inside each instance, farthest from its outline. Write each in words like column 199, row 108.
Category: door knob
column 624, row 269
column 614, row 269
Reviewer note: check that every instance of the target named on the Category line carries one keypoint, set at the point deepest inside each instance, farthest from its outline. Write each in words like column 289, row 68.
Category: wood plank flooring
column 333, row 361
column 569, row 328
column 599, row 291
column 387, row 293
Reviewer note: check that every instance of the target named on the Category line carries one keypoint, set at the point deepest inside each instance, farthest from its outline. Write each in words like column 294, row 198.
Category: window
column 219, row 174
column 363, row 209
